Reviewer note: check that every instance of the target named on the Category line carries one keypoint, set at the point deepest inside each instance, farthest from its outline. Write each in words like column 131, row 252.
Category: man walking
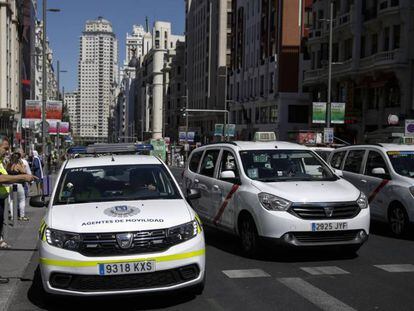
column 5, row 181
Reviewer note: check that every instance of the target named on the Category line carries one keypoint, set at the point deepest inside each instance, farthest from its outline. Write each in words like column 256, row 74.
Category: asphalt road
column 380, row 277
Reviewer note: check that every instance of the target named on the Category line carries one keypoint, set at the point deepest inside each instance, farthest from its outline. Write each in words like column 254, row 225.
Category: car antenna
column 113, row 159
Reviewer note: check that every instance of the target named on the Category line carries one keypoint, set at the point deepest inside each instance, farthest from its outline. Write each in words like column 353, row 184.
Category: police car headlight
column 273, row 203
column 65, row 240
column 183, row 232
column 362, row 201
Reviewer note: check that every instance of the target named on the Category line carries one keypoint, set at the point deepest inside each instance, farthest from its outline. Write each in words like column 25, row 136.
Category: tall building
column 208, row 49
column 98, row 75
column 71, row 102
column 136, row 47
column 153, row 82
column 373, row 62
column 265, row 75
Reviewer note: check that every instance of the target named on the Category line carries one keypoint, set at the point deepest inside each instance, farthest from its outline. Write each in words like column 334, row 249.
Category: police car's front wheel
column 248, row 236
column 398, row 220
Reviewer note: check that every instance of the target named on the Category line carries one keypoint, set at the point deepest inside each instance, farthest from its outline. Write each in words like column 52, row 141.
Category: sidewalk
column 22, row 237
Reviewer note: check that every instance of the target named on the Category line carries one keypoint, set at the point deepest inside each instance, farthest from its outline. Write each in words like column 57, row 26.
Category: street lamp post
column 329, row 99
column 44, row 73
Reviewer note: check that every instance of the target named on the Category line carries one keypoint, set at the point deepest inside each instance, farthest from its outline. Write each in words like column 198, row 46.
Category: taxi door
column 205, row 181
column 375, row 185
column 353, row 168
column 225, row 191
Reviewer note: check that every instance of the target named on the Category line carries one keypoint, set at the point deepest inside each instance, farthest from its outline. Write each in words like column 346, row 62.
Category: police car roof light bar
column 110, row 149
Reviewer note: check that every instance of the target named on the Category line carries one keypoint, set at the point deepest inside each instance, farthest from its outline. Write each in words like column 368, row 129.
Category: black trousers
column 2, row 208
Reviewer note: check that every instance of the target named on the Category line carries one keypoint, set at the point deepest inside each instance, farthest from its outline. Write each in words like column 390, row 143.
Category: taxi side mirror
column 338, row 172
column 378, row 171
column 39, row 201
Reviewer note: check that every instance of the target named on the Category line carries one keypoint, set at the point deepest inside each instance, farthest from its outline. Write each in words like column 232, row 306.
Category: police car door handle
column 363, row 181
column 196, row 181
column 215, row 187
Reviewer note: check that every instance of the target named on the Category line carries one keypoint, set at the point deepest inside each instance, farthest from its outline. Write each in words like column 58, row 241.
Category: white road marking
column 318, row 297
column 329, row 270
column 249, row 273
column 396, row 268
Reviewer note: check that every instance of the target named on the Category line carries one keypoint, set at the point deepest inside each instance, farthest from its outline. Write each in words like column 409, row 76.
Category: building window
column 397, row 37
column 261, row 85
column 271, row 82
column 298, row 114
column 362, row 47
column 386, row 46
column 157, row 34
column 374, row 43
column 348, row 48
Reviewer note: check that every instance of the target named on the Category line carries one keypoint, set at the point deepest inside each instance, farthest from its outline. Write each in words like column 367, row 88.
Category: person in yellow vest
column 5, row 181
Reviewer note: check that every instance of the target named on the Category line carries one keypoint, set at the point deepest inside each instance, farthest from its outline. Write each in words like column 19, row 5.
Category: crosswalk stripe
column 329, row 270
column 396, row 268
column 248, row 273
column 315, row 295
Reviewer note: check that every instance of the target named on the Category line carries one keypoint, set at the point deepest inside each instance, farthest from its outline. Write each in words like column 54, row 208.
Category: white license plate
column 329, row 226
column 126, row 267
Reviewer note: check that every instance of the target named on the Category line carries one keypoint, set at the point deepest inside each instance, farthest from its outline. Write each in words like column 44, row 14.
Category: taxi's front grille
column 96, row 283
column 314, row 211
column 326, row 237
column 105, row 244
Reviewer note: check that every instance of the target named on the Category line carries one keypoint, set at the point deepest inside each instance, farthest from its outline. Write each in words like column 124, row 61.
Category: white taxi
column 276, row 191
column 120, row 224
column 384, row 172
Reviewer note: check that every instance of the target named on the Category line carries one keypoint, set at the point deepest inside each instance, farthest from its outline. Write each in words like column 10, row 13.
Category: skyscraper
column 98, row 72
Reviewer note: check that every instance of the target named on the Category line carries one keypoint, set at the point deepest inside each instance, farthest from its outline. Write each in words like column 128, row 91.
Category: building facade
column 208, row 50
column 71, row 102
column 373, row 62
column 98, row 77
column 265, row 88
column 152, row 82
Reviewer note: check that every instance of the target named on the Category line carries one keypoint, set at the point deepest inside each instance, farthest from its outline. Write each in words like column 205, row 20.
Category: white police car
column 279, row 192
column 120, row 224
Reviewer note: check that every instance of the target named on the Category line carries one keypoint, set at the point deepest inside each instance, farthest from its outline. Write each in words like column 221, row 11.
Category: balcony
column 386, row 58
column 387, row 7
column 315, row 34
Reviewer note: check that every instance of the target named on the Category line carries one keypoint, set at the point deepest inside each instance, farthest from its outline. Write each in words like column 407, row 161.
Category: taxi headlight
column 273, row 203
column 65, row 240
column 183, row 232
column 362, row 201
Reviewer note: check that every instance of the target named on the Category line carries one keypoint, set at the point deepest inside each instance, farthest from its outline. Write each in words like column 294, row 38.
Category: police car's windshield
column 403, row 162
column 285, row 165
column 115, row 183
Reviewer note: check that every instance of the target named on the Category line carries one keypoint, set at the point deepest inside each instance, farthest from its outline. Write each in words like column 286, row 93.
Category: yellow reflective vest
column 4, row 189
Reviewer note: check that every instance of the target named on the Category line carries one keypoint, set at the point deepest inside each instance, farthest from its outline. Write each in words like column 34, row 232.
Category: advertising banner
column 337, row 113
column 218, row 129
column 54, row 110
column 56, row 126
column 308, row 138
column 318, row 112
column 190, row 137
column 33, row 109
column 182, row 136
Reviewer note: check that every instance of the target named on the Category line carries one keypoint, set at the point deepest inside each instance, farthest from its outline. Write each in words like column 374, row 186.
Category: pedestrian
column 16, row 167
column 28, row 170
column 37, row 168
column 6, row 180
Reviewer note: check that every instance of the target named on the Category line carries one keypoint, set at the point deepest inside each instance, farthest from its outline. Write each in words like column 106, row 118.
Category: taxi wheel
column 248, row 236
column 398, row 220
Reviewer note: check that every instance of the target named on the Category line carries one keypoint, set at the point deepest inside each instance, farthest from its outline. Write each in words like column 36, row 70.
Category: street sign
column 409, row 128
column 230, row 130
column 182, row 136
column 218, row 129
column 190, row 136
column 328, row 135
column 319, row 112
column 337, row 113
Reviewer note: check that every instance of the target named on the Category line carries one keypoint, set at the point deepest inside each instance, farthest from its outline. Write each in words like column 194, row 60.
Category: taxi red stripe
column 225, row 203
column 374, row 193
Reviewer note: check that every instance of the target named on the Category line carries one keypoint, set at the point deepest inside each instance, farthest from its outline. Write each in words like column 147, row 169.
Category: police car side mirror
column 193, row 194
column 38, row 201
column 338, row 172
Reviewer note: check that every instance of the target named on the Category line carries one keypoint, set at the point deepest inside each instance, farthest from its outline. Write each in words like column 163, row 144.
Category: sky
column 65, row 28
